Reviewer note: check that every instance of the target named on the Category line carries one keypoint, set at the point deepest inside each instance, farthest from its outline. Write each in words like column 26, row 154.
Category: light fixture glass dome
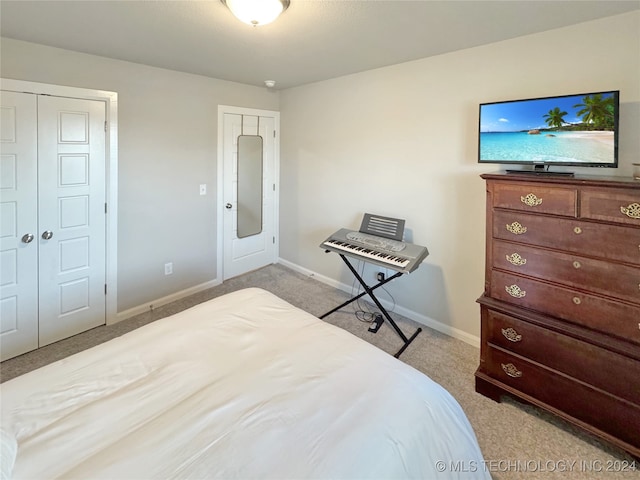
column 256, row 12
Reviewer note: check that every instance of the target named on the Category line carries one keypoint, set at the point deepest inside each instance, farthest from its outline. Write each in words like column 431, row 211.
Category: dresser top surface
column 584, row 180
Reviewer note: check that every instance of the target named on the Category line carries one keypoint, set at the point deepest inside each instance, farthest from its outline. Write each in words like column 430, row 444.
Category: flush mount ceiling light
column 256, row 12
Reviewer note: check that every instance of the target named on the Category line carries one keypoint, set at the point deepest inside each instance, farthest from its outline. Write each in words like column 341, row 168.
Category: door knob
column 47, row 234
column 228, row 205
column 27, row 238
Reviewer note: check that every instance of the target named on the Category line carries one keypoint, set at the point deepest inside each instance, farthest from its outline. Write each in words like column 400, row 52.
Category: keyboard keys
column 384, row 257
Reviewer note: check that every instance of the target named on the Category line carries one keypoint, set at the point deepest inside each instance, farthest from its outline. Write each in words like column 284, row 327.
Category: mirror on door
column 249, row 212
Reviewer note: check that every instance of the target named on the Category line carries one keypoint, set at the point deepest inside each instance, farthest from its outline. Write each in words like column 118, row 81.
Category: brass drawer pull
column 531, row 200
column 515, row 291
column 516, row 228
column 511, row 370
column 577, row 300
column 632, row 210
column 577, row 264
column 511, row 335
column 516, row 259
column 577, row 230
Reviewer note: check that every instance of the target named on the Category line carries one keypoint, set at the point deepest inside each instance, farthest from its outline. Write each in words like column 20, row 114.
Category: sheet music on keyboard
column 399, row 256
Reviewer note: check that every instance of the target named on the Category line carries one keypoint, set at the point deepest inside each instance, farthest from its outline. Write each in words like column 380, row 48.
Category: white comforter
column 243, row 386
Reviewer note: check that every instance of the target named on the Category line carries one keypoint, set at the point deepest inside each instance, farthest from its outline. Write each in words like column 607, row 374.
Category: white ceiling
column 313, row 40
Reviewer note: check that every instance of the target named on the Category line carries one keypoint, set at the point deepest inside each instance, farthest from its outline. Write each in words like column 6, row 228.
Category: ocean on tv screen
column 561, row 147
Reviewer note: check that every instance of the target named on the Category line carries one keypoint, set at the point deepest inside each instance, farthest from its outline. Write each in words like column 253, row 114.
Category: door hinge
column 105, row 288
column 105, row 126
column 105, row 207
column 274, row 134
column 274, row 187
column 274, row 240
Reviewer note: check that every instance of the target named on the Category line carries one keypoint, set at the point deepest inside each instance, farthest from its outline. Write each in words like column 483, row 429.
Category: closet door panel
column 18, row 224
column 71, row 144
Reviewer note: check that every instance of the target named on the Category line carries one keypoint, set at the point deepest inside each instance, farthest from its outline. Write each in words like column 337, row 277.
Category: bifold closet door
column 18, row 224
column 52, row 225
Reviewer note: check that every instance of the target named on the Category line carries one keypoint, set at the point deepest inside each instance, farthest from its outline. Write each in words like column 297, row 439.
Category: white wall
column 398, row 141
column 167, row 148
column 402, row 141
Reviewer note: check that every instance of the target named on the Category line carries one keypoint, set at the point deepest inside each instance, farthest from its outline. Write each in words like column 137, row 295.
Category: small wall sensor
column 270, row 83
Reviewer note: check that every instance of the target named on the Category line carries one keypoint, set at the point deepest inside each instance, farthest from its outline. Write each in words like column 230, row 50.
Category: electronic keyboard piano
column 396, row 255
column 379, row 241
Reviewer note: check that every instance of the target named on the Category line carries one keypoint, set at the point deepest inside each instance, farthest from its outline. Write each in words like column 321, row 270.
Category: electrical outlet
column 168, row 268
column 381, row 276
column 203, row 189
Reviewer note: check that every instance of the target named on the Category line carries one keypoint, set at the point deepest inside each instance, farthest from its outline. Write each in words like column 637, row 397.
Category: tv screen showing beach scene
column 578, row 130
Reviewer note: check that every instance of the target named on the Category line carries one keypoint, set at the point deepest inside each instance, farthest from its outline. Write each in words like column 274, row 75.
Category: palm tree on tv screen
column 555, row 117
column 596, row 112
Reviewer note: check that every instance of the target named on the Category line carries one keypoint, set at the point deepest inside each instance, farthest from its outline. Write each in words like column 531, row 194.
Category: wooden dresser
column 561, row 306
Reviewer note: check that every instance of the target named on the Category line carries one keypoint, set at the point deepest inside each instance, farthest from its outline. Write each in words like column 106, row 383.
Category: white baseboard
column 405, row 312
column 164, row 300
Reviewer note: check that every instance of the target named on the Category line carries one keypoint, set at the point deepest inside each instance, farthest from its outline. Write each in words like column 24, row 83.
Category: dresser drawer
column 614, row 205
column 611, row 242
column 605, row 315
column 536, row 198
column 586, row 362
column 598, row 276
column 580, row 401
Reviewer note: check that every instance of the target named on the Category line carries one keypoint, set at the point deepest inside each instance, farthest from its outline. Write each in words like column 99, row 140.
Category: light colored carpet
column 518, row 441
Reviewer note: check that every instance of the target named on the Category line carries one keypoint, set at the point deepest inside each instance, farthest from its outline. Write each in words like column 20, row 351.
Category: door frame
column 222, row 110
column 111, row 172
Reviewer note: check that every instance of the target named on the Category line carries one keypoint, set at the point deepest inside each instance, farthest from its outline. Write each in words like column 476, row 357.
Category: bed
column 242, row 386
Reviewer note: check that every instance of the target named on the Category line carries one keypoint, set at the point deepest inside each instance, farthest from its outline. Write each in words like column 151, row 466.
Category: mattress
column 242, row 386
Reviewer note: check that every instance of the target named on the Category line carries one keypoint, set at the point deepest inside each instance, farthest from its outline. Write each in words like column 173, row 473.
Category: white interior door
column 18, row 224
column 71, row 173
column 256, row 250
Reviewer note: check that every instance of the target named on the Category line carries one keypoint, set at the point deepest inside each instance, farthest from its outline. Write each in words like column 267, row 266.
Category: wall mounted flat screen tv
column 574, row 130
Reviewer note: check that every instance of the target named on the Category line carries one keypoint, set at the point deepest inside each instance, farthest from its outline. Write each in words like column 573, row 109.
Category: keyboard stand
column 369, row 291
